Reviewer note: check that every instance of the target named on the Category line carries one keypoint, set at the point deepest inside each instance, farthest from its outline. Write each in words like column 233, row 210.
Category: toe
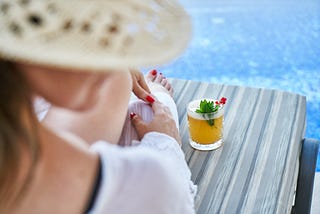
column 166, row 84
column 169, row 87
column 159, row 78
column 171, row 91
column 152, row 75
column 163, row 82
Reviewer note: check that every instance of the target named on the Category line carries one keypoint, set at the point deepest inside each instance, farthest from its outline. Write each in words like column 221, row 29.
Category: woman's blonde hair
column 17, row 131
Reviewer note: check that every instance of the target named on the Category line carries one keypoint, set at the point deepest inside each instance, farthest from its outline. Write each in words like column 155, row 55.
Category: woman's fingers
column 139, row 125
column 162, row 122
column 140, row 87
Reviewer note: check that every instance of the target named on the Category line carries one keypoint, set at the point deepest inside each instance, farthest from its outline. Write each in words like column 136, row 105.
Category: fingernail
column 154, row 72
column 132, row 114
column 150, row 99
column 160, row 73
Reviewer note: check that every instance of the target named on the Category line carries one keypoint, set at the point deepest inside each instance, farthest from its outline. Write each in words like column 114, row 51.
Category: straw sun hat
column 93, row 34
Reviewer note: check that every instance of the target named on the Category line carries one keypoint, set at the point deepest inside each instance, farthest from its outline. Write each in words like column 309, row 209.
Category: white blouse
column 149, row 178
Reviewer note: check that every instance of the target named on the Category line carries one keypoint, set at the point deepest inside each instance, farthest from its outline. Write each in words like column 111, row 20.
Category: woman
column 49, row 169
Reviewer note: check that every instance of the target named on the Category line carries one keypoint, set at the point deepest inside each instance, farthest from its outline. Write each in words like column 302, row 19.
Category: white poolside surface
column 315, row 207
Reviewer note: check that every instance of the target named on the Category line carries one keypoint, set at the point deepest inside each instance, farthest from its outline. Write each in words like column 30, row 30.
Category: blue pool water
column 267, row 44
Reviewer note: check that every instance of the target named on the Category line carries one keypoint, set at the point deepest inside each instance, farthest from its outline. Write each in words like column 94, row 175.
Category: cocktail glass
column 205, row 129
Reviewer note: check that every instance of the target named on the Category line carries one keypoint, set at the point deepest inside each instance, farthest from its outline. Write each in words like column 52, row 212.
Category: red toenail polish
column 150, row 99
column 154, row 72
column 132, row 115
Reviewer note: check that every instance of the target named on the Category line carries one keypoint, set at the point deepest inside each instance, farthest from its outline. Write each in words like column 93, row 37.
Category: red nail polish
column 132, row 115
column 154, row 72
column 150, row 99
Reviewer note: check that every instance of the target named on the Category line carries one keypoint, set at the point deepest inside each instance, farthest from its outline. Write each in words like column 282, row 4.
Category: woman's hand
column 140, row 87
column 162, row 122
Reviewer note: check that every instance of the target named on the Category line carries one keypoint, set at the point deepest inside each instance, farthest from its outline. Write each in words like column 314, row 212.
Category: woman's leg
column 163, row 91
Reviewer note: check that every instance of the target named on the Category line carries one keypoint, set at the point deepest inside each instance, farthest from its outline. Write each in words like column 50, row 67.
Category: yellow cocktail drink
column 203, row 133
column 205, row 129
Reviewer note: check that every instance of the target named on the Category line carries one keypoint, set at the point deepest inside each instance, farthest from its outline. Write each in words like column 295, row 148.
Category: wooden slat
column 256, row 169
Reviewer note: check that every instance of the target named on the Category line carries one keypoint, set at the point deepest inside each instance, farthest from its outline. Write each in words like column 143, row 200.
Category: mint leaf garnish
column 208, row 107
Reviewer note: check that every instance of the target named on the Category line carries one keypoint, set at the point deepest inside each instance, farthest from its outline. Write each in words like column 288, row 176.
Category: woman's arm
column 104, row 121
column 143, row 180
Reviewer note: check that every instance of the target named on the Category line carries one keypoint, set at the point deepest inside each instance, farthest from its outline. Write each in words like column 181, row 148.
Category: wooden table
column 256, row 170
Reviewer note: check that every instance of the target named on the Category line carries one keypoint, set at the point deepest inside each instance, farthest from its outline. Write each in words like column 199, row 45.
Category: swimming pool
column 267, row 44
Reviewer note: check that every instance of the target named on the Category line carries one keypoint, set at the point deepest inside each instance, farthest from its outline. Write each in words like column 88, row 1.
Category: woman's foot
column 158, row 83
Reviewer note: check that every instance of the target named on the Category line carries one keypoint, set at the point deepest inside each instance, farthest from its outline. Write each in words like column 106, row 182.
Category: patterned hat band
column 93, row 34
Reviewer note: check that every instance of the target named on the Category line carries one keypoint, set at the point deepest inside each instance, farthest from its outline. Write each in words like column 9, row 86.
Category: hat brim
column 102, row 35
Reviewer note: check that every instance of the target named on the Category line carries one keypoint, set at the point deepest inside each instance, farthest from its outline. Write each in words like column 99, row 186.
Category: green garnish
column 208, row 107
